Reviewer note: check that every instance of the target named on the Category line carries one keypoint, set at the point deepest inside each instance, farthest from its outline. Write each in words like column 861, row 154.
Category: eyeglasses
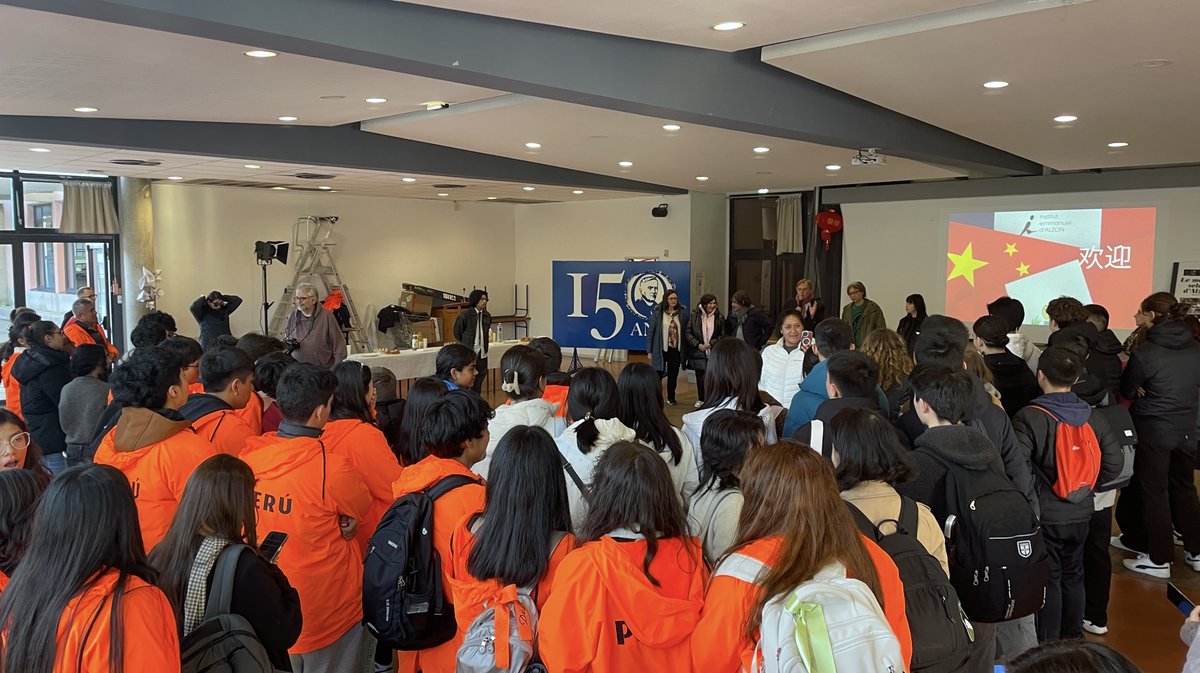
column 303, row 299
column 18, row 442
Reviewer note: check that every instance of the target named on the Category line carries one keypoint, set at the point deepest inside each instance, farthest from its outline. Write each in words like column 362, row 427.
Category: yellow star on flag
column 965, row 265
column 1023, row 270
column 1010, row 249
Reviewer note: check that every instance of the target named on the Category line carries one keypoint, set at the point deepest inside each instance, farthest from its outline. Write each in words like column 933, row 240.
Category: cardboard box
column 430, row 329
column 415, row 303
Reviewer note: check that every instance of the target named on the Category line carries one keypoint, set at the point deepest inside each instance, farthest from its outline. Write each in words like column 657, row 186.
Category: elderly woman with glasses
column 863, row 315
column 312, row 332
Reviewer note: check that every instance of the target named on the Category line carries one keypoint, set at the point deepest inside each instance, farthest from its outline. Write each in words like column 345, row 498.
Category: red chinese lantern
column 830, row 223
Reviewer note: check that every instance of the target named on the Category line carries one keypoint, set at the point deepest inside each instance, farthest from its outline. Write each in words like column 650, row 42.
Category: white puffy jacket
column 611, row 432
column 782, row 372
column 537, row 412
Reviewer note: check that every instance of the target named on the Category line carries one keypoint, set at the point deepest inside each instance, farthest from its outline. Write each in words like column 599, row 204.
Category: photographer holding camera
column 312, row 333
column 212, row 313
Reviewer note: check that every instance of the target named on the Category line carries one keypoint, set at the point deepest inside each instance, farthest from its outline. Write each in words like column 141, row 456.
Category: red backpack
column 1076, row 458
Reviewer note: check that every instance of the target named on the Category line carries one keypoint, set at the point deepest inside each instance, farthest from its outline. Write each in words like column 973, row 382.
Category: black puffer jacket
column 957, row 444
column 1105, row 360
column 1166, row 368
column 1017, row 385
column 42, row 373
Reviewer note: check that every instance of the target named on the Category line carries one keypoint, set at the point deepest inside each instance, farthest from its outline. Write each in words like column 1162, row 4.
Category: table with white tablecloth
column 414, row 364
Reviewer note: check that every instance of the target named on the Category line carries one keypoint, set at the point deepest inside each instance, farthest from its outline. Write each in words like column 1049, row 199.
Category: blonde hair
column 803, row 281
column 886, row 347
column 977, row 366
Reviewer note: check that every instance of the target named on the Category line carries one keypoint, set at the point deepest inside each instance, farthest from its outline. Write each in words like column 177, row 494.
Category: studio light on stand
column 266, row 252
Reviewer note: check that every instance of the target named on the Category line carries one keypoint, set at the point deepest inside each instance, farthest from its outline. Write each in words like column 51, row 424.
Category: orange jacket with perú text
column 604, row 615
column 78, row 334
column 12, row 387
column 252, row 413
column 157, row 455
column 151, row 642
column 302, row 489
column 369, row 454
column 719, row 644
column 448, row 511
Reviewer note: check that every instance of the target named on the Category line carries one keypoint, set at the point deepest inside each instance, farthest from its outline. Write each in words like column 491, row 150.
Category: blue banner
column 608, row 304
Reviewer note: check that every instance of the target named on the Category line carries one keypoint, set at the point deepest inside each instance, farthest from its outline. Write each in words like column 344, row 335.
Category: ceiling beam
column 734, row 91
column 326, row 146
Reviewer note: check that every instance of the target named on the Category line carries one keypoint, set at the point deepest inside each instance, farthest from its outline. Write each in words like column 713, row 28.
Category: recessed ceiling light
column 671, row 127
column 763, row 190
column 729, row 25
column 324, row 187
column 288, row 118
column 174, row 177
column 1118, row 145
column 528, row 189
column 435, row 104
column 833, row 167
column 376, row 101
column 443, row 194
column 251, row 166
column 577, row 191
column 625, row 164
column 995, row 84
column 1066, row 119
column 259, row 53
column 408, row 179
column 1155, row 63
column 38, row 149
column 279, row 188
column 761, row 150
column 87, row 109
column 491, row 198
column 534, row 146
column 702, row 178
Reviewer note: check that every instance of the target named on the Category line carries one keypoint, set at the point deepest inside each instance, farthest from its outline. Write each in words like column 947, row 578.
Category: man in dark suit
column 471, row 330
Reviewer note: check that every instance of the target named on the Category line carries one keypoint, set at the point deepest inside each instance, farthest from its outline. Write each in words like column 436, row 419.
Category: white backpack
column 829, row 624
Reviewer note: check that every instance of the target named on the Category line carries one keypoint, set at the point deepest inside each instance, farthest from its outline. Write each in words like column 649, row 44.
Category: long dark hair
column 19, row 493
column 1072, row 656
column 350, row 396
column 727, row 435
column 86, row 527
column 918, row 303
column 664, row 306
column 733, row 369
column 867, row 449
column 526, row 503
column 35, row 333
column 16, row 334
column 34, row 461
column 421, row 395
column 593, row 396
column 632, row 489
column 641, row 396
column 527, row 368
column 218, row 501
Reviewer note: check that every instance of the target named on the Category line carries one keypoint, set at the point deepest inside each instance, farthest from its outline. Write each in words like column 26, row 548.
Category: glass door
column 55, row 271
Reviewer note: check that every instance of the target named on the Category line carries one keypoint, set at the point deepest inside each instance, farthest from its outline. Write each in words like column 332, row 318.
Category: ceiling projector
column 869, row 156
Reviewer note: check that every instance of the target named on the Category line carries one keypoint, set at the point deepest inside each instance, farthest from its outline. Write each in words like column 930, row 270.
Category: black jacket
column 654, row 337
column 825, row 413
column 42, row 373
column 909, row 327
column 388, row 415
column 810, row 322
column 756, row 327
column 698, row 359
column 958, row 444
column 213, row 322
column 1166, row 368
column 1036, row 432
column 984, row 415
column 1105, row 360
column 1016, row 383
column 464, row 328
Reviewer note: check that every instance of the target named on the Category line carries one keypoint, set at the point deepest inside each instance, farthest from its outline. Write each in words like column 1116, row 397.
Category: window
column 6, row 204
column 44, row 260
column 43, row 204
column 79, row 267
column 43, row 216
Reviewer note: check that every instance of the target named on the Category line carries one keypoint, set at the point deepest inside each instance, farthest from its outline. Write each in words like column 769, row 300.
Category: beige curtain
column 790, row 217
column 88, row 208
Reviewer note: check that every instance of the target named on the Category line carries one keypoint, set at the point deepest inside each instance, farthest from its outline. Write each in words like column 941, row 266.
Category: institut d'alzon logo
column 644, row 291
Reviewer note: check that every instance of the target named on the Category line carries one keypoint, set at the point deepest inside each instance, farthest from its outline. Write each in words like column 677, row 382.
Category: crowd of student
column 936, row 515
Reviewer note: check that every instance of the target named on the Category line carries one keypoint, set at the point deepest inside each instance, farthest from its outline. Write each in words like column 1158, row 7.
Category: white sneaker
column 1115, row 541
column 1193, row 560
column 1143, row 564
column 1178, row 538
column 1093, row 629
column 698, row 404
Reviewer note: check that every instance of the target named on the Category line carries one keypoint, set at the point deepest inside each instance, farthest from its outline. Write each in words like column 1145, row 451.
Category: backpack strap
column 583, row 489
column 447, row 484
column 910, row 516
column 740, row 567
column 864, row 524
column 816, row 436
column 220, row 596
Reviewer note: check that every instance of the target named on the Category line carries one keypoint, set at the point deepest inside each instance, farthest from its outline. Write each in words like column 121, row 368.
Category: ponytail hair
column 35, row 333
column 16, row 333
column 1164, row 306
column 593, row 395
column 521, row 372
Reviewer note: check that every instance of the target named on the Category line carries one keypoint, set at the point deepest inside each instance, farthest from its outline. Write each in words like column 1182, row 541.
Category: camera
column 292, row 344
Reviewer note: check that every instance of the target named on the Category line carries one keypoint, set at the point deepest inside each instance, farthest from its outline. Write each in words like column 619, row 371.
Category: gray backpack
column 223, row 642
column 477, row 654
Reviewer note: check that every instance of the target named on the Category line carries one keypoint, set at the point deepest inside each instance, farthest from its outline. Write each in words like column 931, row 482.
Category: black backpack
column 1121, row 424
column 941, row 633
column 224, row 642
column 998, row 560
column 404, row 603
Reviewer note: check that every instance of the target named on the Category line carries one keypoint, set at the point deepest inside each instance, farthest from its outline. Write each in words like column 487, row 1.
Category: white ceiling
column 595, row 140
column 1079, row 60
column 95, row 161
column 690, row 22
column 52, row 63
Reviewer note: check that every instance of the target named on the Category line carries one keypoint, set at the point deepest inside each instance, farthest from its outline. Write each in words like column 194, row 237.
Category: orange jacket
column 719, row 645
column 157, row 456
column 302, row 489
column 4, row 579
column 226, row 430
column 448, row 511
column 151, row 639
column 79, row 336
column 604, row 615
column 369, row 454
column 557, row 395
column 252, row 413
column 470, row 594
column 12, row 387
column 196, row 388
